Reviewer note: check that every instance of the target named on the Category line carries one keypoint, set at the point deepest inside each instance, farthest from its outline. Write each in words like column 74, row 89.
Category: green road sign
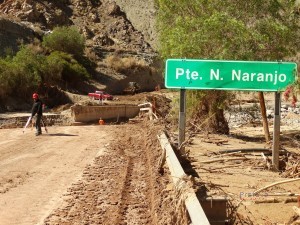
column 229, row 75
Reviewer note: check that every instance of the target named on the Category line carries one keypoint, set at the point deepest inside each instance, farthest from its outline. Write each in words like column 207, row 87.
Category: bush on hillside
column 39, row 65
column 65, row 39
column 5, row 87
column 125, row 65
column 21, row 73
column 52, row 69
column 63, row 66
column 26, row 71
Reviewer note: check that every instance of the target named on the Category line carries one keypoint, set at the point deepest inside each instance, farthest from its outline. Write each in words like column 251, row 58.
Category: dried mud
column 123, row 185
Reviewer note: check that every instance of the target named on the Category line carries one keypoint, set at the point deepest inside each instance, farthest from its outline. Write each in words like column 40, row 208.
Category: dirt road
column 35, row 171
column 83, row 175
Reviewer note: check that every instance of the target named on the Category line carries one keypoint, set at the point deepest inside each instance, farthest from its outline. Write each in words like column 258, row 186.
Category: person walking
column 37, row 109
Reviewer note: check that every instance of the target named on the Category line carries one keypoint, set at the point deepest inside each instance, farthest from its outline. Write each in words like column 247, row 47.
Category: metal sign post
column 276, row 132
column 182, row 113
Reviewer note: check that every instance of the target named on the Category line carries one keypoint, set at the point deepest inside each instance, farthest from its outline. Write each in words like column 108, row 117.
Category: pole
column 264, row 116
column 182, row 113
column 27, row 123
column 276, row 132
column 44, row 124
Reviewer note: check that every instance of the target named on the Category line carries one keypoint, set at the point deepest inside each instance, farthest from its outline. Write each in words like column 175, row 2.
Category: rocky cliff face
column 12, row 34
column 125, row 27
column 103, row 23
column 141, row 13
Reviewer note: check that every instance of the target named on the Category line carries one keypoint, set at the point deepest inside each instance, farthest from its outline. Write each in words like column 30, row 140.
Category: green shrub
column 65, row 39
column 62, row 66
column 28, row 65
column 30, row 68
column 21, row 73
column 5, row 86
column 53, row 68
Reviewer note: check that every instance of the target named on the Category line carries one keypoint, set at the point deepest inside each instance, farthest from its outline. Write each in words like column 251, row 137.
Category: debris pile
column 161, row 104
column 292, row 169
column 238, row 116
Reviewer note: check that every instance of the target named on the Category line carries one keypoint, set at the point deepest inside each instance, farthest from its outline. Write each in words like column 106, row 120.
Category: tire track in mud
column 118, row 188
column 135, row 207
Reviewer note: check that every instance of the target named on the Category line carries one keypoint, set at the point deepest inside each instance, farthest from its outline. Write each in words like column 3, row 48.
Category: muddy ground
column 109, row 174
column 84, row 175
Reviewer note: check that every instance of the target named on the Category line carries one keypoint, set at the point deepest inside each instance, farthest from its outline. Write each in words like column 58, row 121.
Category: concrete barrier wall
column 93, row 113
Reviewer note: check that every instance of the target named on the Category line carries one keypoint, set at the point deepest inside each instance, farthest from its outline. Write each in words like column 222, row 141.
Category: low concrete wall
column 93, row 113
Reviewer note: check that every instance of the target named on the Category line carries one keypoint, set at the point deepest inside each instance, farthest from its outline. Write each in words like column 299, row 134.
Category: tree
column 62, row 67
column 25, row 71
column 229, row 29
column 5, row 80
column 65, row 39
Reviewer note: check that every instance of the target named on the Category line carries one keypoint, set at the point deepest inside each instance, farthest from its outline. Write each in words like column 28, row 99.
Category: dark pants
column 38, row 124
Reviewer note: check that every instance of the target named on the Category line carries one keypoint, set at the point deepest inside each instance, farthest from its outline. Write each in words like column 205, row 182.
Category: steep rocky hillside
column 142, row 16
column 102, row 22
column 12, row 34
column 125, row 30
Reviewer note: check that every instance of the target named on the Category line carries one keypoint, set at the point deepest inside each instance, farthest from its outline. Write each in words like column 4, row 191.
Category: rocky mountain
column 123, row 28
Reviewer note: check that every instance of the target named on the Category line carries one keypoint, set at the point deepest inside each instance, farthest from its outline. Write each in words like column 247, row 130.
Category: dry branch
column 247, row 150
column 231, row 154
column 162, row 160
column 295, row 175
column 276, row 183
column 297, row 222
column 217, row 142
column 209, row 170
column 283, row 194
column 224, row 167
column 296, row 210
column 226, row 159
column 276, row 200
column 292, row 168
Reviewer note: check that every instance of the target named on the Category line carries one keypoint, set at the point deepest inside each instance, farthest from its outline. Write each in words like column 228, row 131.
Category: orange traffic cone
column 101, row 122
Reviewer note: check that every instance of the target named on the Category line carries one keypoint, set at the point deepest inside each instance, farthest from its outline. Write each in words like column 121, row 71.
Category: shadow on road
column 61, row 134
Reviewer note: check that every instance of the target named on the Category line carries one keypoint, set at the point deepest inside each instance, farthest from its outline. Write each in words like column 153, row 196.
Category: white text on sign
column 235, row 75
